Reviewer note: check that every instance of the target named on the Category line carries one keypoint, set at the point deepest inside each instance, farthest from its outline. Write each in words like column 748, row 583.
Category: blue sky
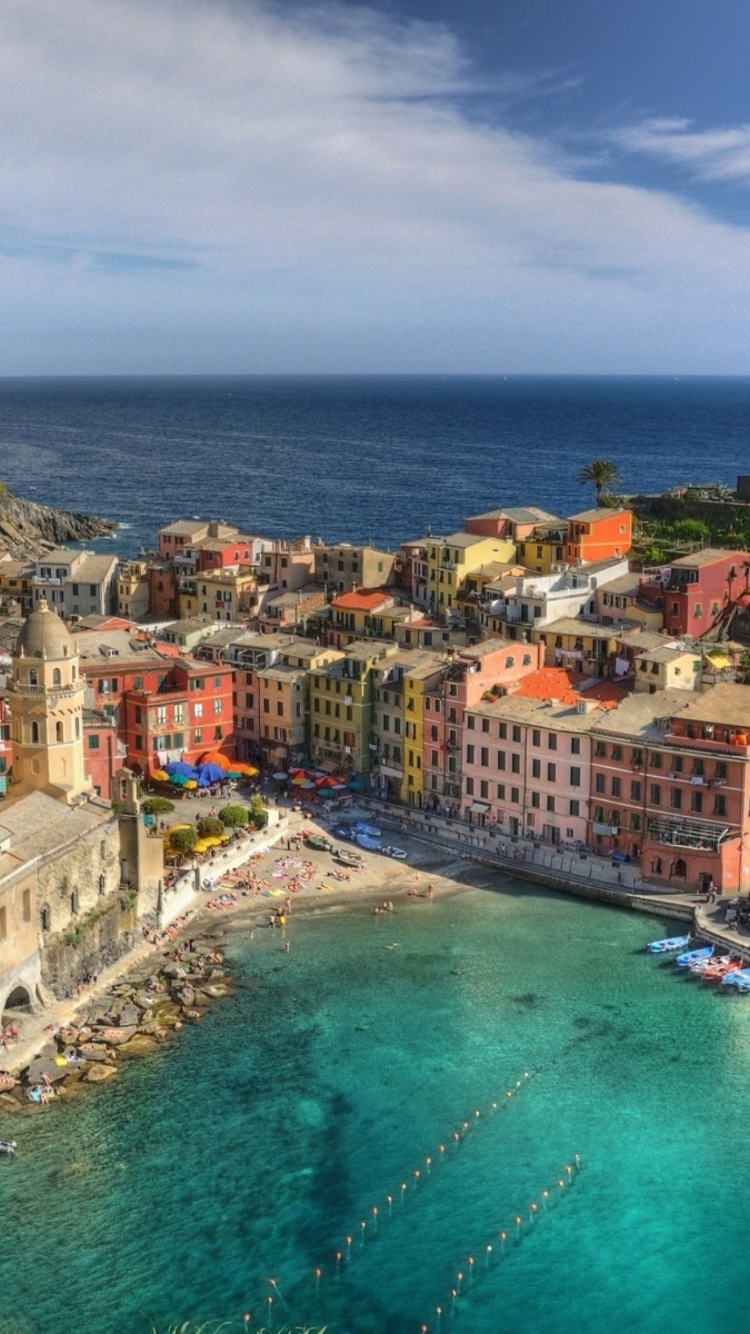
column 193, row 186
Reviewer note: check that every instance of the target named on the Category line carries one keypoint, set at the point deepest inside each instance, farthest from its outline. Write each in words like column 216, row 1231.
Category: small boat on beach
column 349, row 858
column 692, row 956
column 667, row 946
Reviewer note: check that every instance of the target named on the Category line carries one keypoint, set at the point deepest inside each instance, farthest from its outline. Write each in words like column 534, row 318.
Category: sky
column 417, row 186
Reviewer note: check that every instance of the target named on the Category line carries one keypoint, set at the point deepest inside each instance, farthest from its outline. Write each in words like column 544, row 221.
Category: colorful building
column 526, row 765
column 342, row 568
column 599, row 534
column 451, row 559
column 341, row 706
column 671, row 786
column 697, row 592
column 178, row 715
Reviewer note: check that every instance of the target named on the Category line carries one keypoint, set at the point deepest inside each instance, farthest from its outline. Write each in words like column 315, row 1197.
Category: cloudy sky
column 486, row 186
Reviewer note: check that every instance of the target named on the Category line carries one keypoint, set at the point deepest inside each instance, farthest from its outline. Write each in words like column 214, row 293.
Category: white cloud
column 711, row 155
column 306, row 192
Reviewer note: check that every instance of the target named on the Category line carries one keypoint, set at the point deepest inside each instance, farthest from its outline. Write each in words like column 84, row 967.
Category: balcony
column 682, row 832
column 22, row 688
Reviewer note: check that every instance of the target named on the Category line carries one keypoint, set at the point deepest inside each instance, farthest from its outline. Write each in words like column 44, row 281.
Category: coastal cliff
column 28, row 529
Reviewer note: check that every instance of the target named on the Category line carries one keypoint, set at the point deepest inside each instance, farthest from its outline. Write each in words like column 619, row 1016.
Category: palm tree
column 601, row 473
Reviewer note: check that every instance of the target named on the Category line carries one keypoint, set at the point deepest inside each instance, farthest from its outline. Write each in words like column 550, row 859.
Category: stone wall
column 93, row 943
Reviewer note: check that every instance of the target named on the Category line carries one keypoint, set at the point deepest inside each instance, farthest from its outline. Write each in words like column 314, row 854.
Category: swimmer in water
column 394, row 945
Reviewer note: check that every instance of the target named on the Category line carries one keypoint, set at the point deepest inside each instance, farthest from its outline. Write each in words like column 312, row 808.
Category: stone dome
column 44, row 635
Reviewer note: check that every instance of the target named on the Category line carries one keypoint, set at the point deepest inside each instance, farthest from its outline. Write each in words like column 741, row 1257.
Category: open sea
column 251, row 1147
column 257, row 1144
column 357, row 458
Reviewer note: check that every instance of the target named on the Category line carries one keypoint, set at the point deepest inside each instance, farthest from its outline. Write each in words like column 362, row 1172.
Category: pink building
column 699, row 590
column 527, row 767
column 492, row 667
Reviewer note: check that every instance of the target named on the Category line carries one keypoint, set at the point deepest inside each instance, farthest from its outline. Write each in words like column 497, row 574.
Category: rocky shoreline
column 133, row 1017
column 28, row 529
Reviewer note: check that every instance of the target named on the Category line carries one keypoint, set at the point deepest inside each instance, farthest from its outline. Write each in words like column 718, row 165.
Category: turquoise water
column 251, row 1147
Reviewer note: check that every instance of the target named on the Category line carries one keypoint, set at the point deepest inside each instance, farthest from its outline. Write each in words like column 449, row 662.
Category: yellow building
column 579, row 645
column 133, row 589
column 544, row 550
column 451, row 559
column 341, row 707
column 421, row 673
column 16, row 582
column 226, row 595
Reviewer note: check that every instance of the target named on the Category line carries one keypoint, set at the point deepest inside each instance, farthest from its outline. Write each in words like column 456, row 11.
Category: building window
column 575, row 777
column 552, row 741
column 600, row 784
column 536, row 737
column 34, row 731
column 575, row 745
column 516, row 733
column 551, row 773
column 635, row 791
column 515, row 764
column 515, row 796
column 536, row 768
column 470, row 787
column 575, row 807
column 536, row 800
column 616, row 787
column 720, row 805
column 469, row 754
column 675, row 798
column 94, row 742
column 655, row 795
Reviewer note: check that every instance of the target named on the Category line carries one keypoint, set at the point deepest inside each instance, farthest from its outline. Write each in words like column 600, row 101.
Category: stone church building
column 76, row 875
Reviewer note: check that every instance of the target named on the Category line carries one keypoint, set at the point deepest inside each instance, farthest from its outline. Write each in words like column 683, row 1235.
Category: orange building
column 598, row 534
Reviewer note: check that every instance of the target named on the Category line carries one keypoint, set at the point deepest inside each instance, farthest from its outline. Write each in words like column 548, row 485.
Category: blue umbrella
column 179, row 767
column 212, row 773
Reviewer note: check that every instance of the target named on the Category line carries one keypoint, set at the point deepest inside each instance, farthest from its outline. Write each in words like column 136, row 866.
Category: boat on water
column 692, row 956
column 717, row 972
column 370, row 844
column 8, row 1146
column 666, row 946
column 739, row 978
column 698, row 968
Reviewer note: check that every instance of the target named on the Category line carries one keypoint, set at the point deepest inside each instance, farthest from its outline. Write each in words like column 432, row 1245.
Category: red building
column 179, row 715
column 103, row 751
column 164, row 706
column 698, row 591
column 670, row 785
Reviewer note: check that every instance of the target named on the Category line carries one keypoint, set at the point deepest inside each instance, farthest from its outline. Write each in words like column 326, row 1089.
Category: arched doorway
column 19, row 999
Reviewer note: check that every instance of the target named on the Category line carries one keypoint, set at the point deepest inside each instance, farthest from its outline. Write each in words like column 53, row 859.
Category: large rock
column 98, row 1074
column 115, row 1037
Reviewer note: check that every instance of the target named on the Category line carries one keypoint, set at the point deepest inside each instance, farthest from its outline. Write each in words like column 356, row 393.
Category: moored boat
column 700, row 966
column 692, row 956
column 739, row 978
column 718, row 971
column 666, row 946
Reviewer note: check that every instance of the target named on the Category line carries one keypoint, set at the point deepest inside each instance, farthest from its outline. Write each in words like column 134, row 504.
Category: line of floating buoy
column 494, row 1251
column 412, row 1181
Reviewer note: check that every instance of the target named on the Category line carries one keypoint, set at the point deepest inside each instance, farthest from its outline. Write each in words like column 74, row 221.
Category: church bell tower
column 46, row 702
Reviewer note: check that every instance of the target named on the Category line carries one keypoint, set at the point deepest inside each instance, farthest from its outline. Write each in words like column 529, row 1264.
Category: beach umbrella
column 300, row 778
column 179, row 767
column 325, row 783
column 248, row 770
column 216, row 758
column 213, row 772
column 340, row 787
column 281, row 777
column 307, row 785
column 160, row 776
column 191, row 783
column 179, row 780
column 234, row 773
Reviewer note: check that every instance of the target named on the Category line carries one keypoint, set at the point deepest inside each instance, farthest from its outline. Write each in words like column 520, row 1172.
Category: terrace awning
column 479, row 807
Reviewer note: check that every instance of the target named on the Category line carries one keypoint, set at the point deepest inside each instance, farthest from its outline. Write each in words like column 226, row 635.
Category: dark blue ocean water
column 348, row 458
